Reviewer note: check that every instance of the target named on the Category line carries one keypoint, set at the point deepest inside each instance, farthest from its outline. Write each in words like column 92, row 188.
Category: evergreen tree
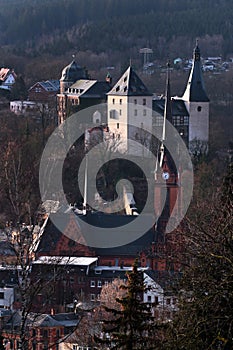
column 205, row 318
column 19, row 90
column 131, row 327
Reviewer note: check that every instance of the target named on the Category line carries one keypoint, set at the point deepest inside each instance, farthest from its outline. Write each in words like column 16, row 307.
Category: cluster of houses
column 86, row 269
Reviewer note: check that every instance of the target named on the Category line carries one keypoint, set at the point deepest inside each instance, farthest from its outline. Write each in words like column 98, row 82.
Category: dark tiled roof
column 52, row 234
column 73, row 72
column 130, row 85
column 98, row 90
column 166, row 279
column 45, row 320
column 178, row 107
column 195, row 90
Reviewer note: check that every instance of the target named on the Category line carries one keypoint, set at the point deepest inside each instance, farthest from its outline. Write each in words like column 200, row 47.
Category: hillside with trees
column 109, row 25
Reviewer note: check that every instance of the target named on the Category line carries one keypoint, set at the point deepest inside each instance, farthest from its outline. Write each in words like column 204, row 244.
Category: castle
column 129, row 102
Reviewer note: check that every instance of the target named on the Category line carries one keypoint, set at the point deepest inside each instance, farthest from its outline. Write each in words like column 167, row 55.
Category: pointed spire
column 196, row 52
column 168, row 106
column 167, row 114
column 195, row 89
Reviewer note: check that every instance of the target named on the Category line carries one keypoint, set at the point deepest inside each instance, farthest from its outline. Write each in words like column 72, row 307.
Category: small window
column 135, row 101
column 149, row 298
column 113, row 101
column 92, row 297
column 144, row 102
column 99, row 284
column 118, row 88
column 92, row 283
column 199, row 108
column 120, row 101
column 135, row 112
column 118, row 125
column 1, row 295
column 144, row 112
column 120, row 111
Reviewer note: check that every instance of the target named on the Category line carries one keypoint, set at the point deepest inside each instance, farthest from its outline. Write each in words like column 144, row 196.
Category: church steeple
column 168, row 106
column 195, row 89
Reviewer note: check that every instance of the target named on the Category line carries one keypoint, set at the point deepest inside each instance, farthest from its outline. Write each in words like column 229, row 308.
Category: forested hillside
column 99, row 25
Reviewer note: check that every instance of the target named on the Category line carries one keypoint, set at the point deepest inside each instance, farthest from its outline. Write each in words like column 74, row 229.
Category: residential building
column 44, row 91
column 7, row 78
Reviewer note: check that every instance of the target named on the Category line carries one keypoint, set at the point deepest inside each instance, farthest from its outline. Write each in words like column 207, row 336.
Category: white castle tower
column 197, row 104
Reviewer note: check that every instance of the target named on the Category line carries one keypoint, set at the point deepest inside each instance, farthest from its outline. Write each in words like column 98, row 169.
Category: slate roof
column 52, row 234
column 48, row 85
column 89, row 89
column 195, row 89
column 70, row 319
column 73, row 72
column 130, row 85
column 43, row 320
column 177, row 105
column 166, row 279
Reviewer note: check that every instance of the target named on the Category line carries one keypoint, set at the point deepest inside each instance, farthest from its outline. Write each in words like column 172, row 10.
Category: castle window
column 120, row 101
column 186, row 120
column 99, row 284
column 144, row 112
column 113, row 114
column 92, row 297
column 135, row 101
column 113, row 101
column 92, row 283
column 144, row 102
column 120, row 111
column 199, row 108
column 118, row 125
column 118, row 88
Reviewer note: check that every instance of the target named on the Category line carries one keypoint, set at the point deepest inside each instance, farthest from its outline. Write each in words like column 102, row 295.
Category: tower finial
column 130, row 62
column 196, row 53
